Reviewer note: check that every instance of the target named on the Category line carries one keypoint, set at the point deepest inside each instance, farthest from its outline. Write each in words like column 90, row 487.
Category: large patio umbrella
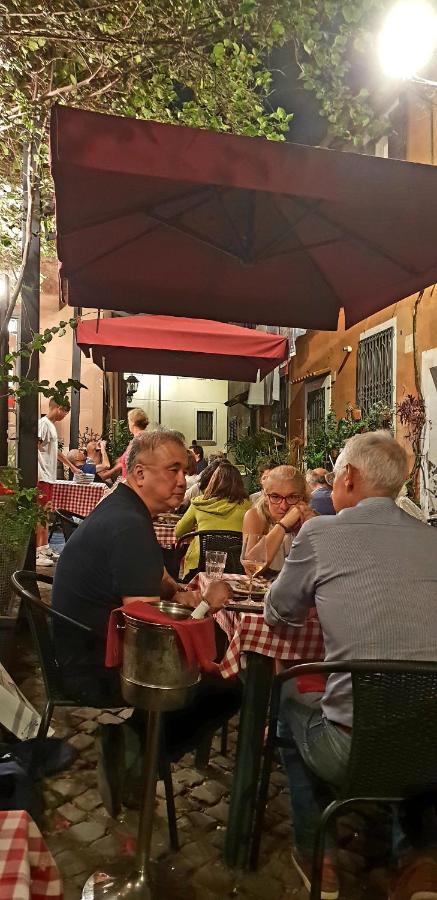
column 166, row 219
column 177, row 346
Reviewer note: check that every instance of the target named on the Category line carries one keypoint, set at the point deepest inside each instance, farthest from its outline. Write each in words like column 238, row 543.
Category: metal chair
column 67, row 523
column 229, row 541
column 394, row 740
column 40, row 617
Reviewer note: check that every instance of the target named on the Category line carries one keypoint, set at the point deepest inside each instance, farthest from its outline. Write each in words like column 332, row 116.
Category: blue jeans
column 315, row 766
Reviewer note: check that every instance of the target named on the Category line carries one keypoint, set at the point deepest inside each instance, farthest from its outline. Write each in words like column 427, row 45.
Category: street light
column 408, row 39
column 132, row 386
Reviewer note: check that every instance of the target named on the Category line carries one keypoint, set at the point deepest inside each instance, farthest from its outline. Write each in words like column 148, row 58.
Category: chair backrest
column 230, row 541
column 67, row 523
column 40, row 616
column 394, row 736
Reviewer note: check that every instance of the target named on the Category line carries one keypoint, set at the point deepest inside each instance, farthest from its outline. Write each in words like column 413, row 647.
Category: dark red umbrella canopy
column 167, row 345
column 166, row 219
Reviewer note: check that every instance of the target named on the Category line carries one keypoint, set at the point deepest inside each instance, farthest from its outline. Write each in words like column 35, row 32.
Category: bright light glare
column 13, row 326
column 408, row 38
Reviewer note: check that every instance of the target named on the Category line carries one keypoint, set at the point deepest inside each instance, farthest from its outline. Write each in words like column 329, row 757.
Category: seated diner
column 113, row 559
column 222, row 507
column 274, row 514
column 371, row 571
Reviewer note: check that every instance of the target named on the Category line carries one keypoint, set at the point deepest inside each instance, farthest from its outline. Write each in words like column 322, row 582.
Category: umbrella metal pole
column 145, row 826
column 134, row 884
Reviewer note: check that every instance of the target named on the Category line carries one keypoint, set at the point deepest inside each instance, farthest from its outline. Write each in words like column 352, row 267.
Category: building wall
column 181, row 398
column 55, row 363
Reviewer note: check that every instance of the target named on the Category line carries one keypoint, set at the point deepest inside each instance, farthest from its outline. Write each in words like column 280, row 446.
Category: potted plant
column 20, row 512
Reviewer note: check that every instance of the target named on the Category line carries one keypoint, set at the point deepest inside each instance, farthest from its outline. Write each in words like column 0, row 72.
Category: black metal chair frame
column 393, row 756
column 229, row 541
column 38, row 614
column 65, row 519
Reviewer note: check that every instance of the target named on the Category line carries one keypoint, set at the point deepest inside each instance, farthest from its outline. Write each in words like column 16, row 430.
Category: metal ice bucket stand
column 155, row 677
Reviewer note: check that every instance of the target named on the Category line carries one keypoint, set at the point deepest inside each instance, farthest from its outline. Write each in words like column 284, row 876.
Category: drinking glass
column 253, row 556
column 215, row 563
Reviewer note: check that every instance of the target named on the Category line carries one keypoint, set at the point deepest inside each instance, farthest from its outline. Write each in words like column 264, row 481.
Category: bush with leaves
column 20, row 513
column 252, row 450
column 118, row 437
column 324, row 446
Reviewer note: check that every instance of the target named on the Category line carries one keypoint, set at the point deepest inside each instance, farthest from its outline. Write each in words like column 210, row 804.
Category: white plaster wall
column 180, row 400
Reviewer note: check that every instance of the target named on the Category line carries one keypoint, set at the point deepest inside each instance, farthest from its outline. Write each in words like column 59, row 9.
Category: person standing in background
column 201, row 462
column 48, row 456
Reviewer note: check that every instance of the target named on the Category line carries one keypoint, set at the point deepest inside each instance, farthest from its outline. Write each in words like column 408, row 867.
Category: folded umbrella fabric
column 196, row 635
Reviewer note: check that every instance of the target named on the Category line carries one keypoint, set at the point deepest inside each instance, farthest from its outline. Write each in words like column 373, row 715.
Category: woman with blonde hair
column 221, row 508
column 279, row 513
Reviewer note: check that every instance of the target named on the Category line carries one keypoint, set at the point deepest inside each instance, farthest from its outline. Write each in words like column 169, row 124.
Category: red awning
column 167, row 345
column 166, row 219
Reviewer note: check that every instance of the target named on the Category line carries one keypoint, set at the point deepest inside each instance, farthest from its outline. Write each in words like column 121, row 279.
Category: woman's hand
column 306, row 512
column 291, row 518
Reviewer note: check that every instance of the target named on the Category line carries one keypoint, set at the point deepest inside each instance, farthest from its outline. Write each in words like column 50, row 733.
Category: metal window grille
column 280, row 408
column 316, row 410
column 205, row 425
column 375, row 370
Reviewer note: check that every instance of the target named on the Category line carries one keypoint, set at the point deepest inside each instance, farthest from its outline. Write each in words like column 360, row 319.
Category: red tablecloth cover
column 27, row 868
column 196, row 635
column 79, row 499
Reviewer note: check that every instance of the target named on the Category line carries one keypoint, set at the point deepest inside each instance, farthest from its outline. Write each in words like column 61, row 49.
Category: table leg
column 253, row 715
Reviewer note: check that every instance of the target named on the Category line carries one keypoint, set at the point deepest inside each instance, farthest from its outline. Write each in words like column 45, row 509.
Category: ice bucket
column 155, row 673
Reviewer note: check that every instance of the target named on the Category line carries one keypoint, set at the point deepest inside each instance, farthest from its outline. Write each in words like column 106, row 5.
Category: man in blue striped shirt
column 371, row 571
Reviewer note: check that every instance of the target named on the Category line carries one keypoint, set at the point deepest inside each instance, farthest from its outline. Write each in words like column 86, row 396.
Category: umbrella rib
column 198, row 196
column 263, row 254
column 349, row 232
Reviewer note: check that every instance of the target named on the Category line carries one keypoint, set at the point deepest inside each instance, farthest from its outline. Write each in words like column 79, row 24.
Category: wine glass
column 253, row 556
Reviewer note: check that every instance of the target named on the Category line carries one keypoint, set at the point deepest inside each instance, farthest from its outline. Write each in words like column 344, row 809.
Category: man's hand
column 75, row 470
column 187, row 598
column 217, row 594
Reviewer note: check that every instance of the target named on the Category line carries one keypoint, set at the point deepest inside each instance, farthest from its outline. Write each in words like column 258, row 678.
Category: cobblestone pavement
column 82, row 837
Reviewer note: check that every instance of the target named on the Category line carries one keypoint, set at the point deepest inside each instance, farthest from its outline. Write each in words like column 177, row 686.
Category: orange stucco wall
column 55, row 363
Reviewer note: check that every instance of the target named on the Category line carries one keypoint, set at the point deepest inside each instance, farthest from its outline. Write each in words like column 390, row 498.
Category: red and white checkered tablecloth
column 165, row 534
column 75, row 498
column 27, row 868
column 248, row 632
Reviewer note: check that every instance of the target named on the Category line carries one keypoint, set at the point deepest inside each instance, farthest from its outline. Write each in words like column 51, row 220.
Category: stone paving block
column 184, row 803
column 89, row 800
column 198, row 853
column 70, row 863
column 71, row 812
column 216, row 878
column 68, row 787
column 81, row 741
column 201, row 821
column 106, row 848
column 224, row 762
column 178, row 788
column 84, row 712
column 262, row 885
column 210, row 792
column 86, row 832
column 50, row 799
column 219, row 812
column 108, row 718
column 89, row 726
column 277, row 777
column 280, row 805
column 189, row 777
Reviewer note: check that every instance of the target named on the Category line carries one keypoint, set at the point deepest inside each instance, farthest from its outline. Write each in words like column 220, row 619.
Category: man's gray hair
column 149, row 441
column 380, row 460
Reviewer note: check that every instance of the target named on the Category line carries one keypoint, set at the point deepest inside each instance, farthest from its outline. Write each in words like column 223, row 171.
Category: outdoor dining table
column 27, row 868
column 261, row 645
column 79, row 499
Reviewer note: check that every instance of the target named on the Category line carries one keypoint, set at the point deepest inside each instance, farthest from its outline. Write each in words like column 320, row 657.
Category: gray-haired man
column 371, row 571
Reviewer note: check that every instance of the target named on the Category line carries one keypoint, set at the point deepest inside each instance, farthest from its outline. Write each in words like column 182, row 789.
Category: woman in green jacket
column 221, row 508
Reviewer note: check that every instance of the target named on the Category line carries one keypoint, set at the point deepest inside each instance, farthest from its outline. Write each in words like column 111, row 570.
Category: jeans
column 315, row 765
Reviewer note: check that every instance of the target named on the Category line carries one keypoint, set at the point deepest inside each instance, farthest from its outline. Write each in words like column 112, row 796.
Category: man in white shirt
column 48, row 456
